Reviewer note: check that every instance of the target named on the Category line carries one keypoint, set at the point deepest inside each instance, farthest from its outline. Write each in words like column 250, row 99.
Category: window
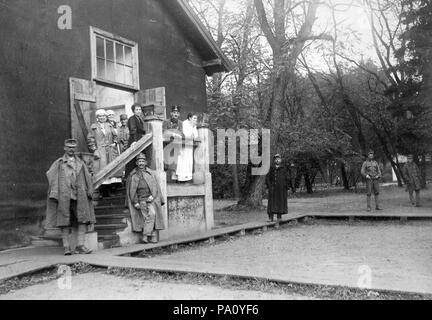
column 114, row 59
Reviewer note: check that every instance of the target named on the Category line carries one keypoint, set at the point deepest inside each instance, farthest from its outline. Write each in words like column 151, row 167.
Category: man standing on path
column 278, row 182
column 372, row 172
column 145, row 201
column 411, row 175
column 70, row 193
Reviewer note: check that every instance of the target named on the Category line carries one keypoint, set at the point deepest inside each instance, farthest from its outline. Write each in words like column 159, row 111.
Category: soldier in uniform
column 372, row 172
column 174, row 123
column 123, row 133
column 70, row 193
column 411, row 175
column 278, row 182
column 145, row 201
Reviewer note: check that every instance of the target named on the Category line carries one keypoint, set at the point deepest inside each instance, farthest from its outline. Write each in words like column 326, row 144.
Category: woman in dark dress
column 136, row 132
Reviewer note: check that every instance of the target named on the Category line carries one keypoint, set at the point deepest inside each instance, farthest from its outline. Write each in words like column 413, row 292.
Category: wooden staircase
column 112, row 212
column 111, row 218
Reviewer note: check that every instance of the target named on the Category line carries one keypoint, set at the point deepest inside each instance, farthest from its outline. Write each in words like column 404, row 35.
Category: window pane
column 109, row 50
column 128, row 75
column 110, row 71
column 100, row 52
column 128, row 56
column 119, row 53
column 120, row 73
column 101, row 68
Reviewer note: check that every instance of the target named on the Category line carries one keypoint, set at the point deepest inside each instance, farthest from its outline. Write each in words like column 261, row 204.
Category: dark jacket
column 278, row 181
column 136, row 129
column 411, row 174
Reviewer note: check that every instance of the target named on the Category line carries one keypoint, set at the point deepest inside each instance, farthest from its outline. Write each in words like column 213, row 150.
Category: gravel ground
column 398, row 255
column 100, row 285
column 393, row 199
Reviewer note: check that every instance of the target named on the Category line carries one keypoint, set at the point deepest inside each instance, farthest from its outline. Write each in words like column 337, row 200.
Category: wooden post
column 157, row 158
column 202, row 165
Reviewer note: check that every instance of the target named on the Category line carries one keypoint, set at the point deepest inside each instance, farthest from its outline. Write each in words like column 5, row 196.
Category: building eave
column 214, row 60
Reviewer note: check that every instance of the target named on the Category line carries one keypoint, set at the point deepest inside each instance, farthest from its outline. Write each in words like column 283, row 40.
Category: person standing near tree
column 411, row 173
column 372, row 172
column 278, row 181
column 69, row 203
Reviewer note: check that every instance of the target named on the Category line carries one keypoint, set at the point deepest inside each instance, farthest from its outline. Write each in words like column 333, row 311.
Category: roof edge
column 222, row 64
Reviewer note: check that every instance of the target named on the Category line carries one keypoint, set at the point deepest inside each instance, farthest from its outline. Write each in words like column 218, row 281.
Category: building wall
column 37, row 59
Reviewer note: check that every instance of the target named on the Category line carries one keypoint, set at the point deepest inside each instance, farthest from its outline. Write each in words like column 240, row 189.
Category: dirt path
column 97, row 286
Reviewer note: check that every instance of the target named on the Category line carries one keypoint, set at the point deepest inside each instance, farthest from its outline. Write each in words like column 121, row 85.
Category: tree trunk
column 284, row 62
column 253, row 197
column 344, row 177
column 423, row 171
column 236, row 187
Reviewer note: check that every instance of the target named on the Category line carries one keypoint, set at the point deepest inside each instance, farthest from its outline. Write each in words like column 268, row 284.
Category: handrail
column 122, row 160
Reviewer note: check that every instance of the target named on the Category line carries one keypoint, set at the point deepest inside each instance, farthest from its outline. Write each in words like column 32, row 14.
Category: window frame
column 94, row 32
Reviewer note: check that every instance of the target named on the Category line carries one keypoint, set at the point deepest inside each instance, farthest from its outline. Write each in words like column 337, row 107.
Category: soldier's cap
column 175, row 108
column 71, row 143
column 141, row 156
column 110, row 112
column 123, row 117
column 277, row 155
column 101, row 112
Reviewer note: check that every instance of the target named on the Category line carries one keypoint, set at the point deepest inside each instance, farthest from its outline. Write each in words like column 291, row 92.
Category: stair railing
column 122, row 160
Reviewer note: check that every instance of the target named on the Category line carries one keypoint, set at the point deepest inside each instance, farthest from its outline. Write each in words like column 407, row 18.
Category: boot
column 417, row 199
column 279, row 217
column 67, row 251
column 377, row 203
column 411, row 198
column 270, row 217
column 82, row 250
column 144, row 239
column 368, row 200
column 153, row 238
column 65, row 238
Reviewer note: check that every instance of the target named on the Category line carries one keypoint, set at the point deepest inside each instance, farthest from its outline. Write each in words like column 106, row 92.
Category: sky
column 351, row 17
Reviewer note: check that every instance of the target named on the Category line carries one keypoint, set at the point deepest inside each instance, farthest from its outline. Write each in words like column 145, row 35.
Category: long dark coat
column 278, row 181
column 136, row 127
column 411, row 174
column 58, row 200
column 136, row 215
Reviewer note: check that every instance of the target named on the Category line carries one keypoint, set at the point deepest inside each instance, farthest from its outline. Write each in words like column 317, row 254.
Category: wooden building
column 63, row 59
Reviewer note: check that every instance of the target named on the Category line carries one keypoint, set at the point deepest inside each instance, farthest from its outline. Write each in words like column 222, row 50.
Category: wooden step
column 104, row 219
column 110, row 228
column 111, row 210
column 110, row 201
column 109, row 241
